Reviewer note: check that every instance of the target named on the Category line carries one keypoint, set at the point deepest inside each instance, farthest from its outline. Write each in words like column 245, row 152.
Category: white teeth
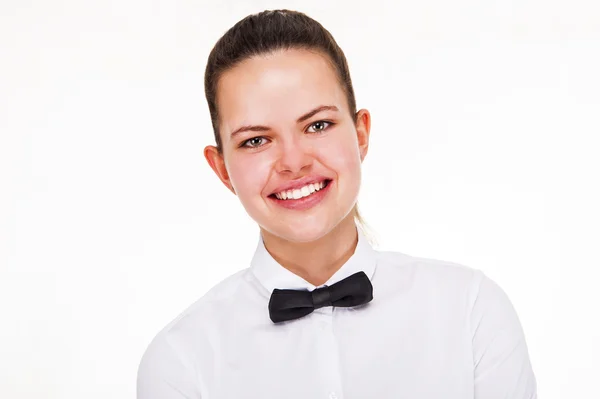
column 300, row 192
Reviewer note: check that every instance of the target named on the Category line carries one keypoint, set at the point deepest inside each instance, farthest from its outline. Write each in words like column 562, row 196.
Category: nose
column 293, row 157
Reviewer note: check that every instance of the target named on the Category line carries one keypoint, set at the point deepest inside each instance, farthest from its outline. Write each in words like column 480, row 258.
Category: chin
column 304, row 233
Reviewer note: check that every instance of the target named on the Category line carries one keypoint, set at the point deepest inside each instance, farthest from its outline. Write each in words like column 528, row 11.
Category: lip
column 304, row 203
column 299, row 183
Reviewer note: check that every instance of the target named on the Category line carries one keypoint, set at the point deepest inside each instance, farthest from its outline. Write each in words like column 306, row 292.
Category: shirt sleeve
column 502, row 368
column 164, row 374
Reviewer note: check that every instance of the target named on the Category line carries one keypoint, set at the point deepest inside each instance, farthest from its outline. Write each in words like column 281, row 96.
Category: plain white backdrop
column 484, row 151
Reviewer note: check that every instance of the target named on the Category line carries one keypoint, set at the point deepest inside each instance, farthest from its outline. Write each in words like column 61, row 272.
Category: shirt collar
column 272, row 275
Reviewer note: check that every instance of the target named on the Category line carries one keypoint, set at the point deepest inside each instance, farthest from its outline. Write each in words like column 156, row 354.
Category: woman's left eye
column 319, row 126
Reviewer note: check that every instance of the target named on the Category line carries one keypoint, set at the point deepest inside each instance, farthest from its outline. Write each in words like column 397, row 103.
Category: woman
column 319, row 313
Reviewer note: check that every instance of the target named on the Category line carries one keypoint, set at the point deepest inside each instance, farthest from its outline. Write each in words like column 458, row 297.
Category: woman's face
column 284, row 125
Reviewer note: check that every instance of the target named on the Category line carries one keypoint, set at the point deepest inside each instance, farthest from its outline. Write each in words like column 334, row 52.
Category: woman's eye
column 319, row 126
column 253, row 142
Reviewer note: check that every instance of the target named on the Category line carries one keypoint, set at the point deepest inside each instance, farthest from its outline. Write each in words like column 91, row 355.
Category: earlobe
column 217, row 164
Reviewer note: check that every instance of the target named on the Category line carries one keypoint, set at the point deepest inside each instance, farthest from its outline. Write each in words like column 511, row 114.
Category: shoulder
column 440, row 284
column 209, row 305
column 425, row 271
column 168, row 365
column 444, row 282
column 179, row 335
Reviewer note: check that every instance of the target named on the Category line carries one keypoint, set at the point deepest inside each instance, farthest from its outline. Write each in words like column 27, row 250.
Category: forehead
column 277, row 87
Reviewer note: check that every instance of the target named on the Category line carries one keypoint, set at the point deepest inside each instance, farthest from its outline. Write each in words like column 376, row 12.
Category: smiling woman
column 320, row 313
column 307, row 133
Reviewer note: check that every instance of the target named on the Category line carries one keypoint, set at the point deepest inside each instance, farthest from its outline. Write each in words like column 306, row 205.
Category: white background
column 484, row 151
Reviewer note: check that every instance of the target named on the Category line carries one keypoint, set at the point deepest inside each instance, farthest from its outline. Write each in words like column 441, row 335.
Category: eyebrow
column 260, row 128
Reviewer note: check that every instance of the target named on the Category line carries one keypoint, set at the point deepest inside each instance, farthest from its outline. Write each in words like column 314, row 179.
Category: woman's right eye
column 254, row 142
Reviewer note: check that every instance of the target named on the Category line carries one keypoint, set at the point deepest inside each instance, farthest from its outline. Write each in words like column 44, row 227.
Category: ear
column 363, row 130
column 217, row 164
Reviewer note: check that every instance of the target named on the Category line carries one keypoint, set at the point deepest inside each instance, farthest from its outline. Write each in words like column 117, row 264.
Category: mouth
column 303, row 198
column 302, row 192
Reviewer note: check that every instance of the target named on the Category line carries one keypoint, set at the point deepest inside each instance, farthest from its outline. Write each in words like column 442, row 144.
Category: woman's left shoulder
column 429, row 270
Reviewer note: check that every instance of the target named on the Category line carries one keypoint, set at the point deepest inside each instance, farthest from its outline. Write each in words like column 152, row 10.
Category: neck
column 315, row 261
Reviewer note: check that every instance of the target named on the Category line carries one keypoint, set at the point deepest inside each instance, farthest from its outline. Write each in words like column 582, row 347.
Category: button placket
column 326, row 326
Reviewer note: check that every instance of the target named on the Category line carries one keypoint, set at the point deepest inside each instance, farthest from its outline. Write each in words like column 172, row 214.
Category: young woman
column 319, row 313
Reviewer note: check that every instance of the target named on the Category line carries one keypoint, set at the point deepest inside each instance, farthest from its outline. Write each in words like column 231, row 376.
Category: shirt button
column 332, row 395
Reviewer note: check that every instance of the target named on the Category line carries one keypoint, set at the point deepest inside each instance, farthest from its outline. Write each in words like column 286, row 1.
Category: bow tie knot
column 321, row 297
column 292, row 304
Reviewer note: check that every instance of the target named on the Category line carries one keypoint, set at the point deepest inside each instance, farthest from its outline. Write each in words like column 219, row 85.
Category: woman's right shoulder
column 210, row 302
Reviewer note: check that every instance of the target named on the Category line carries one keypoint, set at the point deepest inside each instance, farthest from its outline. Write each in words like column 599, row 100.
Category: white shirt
column 434, row 329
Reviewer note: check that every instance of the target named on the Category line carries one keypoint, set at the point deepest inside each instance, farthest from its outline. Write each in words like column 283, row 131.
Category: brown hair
column 267, row 32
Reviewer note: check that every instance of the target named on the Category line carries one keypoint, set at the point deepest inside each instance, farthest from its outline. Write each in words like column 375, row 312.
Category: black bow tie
column 292, row 304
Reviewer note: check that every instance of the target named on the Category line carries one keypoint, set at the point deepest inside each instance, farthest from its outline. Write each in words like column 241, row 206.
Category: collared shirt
column 434, row 329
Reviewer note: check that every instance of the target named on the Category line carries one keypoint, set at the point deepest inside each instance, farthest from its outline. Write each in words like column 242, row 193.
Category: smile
column 302, row 191
column 303, row 197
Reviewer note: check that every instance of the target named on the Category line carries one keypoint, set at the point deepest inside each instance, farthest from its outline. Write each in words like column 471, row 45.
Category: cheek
column 249, row 175
column 342, row 155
